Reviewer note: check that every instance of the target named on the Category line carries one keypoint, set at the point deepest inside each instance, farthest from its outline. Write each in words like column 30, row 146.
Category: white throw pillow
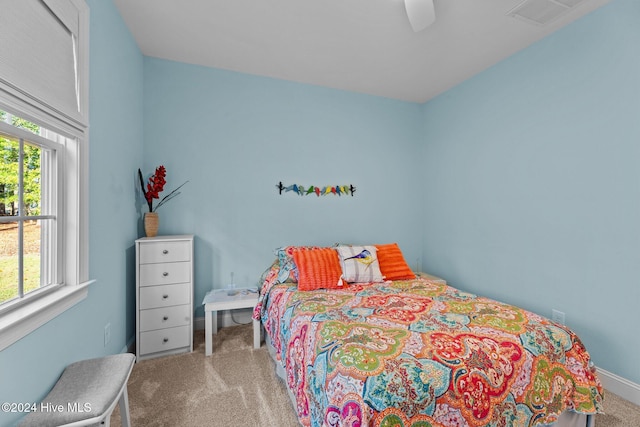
column 359, row 264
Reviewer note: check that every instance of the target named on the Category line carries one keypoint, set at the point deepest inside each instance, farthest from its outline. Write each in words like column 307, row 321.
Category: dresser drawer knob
column 165, row 318
column 165, row 274
column 166, row 340
column 165, row 252
column 165, row 296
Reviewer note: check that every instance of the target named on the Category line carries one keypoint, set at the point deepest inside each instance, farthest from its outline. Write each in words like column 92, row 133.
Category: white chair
column 86, row 394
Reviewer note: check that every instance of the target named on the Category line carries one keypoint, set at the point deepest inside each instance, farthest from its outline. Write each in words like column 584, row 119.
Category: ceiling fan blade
column 421, row 13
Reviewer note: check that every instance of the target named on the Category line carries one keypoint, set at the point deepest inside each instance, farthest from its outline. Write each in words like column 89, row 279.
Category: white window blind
column 44, row 79
column 39, row 54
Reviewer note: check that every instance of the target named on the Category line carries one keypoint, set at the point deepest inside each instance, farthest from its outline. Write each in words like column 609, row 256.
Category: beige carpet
column 237, row 386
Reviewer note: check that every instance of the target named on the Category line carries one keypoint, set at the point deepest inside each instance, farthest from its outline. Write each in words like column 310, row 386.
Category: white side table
column 219, row 299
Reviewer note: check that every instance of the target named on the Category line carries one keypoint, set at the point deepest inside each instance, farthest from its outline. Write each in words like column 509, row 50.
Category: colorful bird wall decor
column 336, row 190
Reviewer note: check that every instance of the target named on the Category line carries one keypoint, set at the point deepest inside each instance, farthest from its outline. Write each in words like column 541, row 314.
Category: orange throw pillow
column 318, row 268
column 392, row 263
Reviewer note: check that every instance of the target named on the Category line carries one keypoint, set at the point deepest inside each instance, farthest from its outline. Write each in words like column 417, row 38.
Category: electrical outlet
column 557, row 316
column 107, row 334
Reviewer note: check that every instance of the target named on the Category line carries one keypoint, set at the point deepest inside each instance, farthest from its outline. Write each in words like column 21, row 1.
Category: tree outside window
column 20, row 238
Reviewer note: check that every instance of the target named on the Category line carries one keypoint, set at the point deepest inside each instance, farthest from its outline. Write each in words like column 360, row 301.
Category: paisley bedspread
column 420, row 353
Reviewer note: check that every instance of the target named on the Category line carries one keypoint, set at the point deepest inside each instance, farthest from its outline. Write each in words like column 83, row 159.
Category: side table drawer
column 164, row 339
column 163, row 274
column 165, row 317
column 164, row 295
column 155, row 252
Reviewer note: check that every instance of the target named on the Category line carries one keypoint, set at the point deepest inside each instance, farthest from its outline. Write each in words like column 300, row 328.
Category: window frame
column 26, row 317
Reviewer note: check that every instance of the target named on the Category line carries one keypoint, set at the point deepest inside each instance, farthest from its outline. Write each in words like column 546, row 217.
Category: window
column 29, row 218
column 43, row 162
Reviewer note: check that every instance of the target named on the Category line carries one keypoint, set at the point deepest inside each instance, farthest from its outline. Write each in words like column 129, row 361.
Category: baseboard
column 225, row 318
column 621, row 386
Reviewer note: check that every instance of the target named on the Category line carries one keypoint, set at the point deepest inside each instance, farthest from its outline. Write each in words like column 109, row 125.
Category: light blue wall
column 519, row 184
column 235, row 136
column 532, row 187
column 31, row 366
column 116, row 130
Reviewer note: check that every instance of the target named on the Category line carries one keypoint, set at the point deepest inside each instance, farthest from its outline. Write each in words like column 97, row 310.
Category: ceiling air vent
column 542, row 12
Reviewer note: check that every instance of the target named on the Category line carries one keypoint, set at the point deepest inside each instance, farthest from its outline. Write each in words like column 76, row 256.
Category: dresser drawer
column 165, row 317
column 164, row 274
column 164, row 295
column 155, row 252
column 164, row 339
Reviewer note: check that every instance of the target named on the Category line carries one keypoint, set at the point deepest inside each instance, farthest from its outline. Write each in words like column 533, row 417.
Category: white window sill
column 18, row 323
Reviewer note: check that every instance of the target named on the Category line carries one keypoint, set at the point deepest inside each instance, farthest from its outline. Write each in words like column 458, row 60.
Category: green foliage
column 25, row 124
column 9, row 156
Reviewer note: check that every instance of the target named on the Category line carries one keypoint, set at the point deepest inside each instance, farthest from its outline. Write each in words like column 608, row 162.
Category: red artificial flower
column 155, row 186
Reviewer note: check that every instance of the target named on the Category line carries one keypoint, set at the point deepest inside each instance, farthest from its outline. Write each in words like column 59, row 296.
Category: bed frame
column 567, row 418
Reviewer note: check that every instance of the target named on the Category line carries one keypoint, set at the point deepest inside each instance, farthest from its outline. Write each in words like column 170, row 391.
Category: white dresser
column 164, row 296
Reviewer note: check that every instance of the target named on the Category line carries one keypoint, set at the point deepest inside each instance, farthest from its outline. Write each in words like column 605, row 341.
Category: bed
column 407, row 350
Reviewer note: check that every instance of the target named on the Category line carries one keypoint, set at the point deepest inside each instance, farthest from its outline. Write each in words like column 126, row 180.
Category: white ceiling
column 364, row 46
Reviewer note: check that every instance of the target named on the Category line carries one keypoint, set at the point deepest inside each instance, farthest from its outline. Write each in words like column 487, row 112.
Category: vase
column 151, row 222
